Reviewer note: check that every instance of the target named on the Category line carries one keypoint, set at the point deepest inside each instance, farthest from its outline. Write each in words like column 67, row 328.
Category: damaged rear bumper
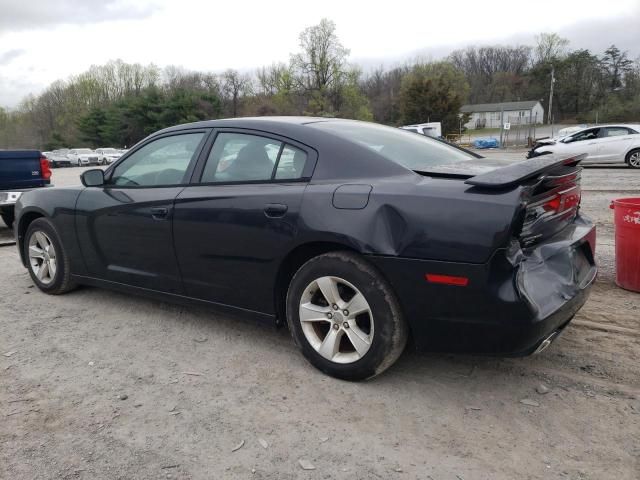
column 511, row 305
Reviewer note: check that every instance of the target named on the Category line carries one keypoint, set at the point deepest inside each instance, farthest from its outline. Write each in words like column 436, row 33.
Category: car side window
column 590, row 134
column 161, row 162
column 616, row 131
column 291, row 163
column 243, row 157
column 240, row 157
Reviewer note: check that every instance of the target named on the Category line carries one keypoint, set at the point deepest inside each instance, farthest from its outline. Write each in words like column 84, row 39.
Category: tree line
column 118, row 104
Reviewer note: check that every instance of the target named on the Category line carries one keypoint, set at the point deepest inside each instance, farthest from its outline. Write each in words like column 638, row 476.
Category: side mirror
column 92, row 178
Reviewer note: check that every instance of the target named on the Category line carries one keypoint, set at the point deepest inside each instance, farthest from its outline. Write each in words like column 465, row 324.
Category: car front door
column 615, row 143
column 585, row 141
column 124, row 227
column 234, row 226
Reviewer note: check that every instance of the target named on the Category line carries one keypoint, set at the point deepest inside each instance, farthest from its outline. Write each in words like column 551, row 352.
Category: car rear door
column 236, row 222
column 615, row 143
column 124, row 227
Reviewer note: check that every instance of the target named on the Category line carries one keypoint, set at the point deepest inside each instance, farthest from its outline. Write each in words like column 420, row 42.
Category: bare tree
column 234, row 86
column 323, row 58
column 549, row 47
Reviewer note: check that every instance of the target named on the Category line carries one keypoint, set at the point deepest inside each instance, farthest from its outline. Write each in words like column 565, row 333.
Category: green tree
column 616, row 65
column 433, row 92
column 91, row 127
column 320, row 67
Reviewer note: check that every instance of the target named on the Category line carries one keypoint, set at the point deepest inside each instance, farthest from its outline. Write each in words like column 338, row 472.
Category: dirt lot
column 103, row 385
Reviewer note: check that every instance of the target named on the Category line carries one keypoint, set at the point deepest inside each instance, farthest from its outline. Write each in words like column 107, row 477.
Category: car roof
column 635, row 126
column 343, row 155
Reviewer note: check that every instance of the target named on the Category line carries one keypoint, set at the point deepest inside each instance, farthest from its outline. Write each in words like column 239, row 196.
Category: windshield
column 415, row 152
column 83, row 150
column 109, row 150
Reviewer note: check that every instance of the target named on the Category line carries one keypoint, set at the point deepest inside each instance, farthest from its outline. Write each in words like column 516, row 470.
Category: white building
column 493, row 115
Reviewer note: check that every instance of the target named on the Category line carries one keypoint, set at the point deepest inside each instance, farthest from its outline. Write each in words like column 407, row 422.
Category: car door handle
column 275, row 210
column 159, row 213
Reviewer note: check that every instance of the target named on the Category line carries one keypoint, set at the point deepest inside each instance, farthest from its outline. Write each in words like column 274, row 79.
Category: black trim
column 172, row 297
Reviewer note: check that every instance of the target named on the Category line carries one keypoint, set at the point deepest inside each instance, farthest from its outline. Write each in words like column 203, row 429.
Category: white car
column 602, row 144
column 82, row 157
column 432, row 129
column 108, row 155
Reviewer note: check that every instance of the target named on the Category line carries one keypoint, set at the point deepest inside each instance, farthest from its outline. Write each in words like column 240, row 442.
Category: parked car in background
column 354, row 234
column 20, row 171
column 602, row 144
column 58, row 158
column 107, row 156
column 83, row 157
column 431, row 129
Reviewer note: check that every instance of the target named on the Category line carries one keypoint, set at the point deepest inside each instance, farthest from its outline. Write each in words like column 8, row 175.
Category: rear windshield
column 413, row 151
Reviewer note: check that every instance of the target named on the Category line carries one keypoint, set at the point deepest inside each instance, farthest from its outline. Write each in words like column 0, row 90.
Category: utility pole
column 553, row 80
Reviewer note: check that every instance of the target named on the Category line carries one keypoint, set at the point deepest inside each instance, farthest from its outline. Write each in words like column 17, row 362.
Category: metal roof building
column 492, row 115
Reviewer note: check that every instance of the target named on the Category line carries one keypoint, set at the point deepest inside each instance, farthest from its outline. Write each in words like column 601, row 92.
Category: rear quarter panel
column 412, row 216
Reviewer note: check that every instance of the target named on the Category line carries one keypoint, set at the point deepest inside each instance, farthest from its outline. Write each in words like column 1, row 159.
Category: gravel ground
column 101, row 385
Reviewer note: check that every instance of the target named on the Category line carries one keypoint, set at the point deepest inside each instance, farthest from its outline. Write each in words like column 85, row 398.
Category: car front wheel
column 47, row 260
column 344, row 317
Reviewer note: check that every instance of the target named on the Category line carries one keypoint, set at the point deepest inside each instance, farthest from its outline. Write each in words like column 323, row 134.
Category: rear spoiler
column 516, row 173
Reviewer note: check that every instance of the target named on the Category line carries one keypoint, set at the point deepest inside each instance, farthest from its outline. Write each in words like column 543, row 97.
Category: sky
column 45, row 40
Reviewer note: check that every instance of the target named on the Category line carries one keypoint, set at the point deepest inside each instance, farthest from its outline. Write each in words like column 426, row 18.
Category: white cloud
column 213, row 36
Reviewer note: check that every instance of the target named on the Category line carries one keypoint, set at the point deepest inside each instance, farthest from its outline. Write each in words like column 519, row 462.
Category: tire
column 379, row 330
column 633, row 158
column 8, row 217
column 60, row 281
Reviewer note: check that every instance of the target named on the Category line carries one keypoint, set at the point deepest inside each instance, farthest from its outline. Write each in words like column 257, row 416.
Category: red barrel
column 627, row 222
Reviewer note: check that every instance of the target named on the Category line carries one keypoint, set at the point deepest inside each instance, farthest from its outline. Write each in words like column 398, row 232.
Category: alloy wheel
column 634, row 160
column 336, row 320
column 42, row 257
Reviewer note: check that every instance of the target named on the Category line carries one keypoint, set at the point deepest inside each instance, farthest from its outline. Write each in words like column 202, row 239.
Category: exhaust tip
column 546, row 342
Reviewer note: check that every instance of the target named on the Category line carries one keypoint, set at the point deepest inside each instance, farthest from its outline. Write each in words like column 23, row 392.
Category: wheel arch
column 26, row 218
column 298, row 257
column 627, row 156
column 290, row 265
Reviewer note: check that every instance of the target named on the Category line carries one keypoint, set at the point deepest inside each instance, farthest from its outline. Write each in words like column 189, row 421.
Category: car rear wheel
column 633, row 158
column 344, row 317
column 47, row 260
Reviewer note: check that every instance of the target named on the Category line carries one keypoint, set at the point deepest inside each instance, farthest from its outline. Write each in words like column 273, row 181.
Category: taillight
column 549, row 214
column 563, row 201
column 45, row 170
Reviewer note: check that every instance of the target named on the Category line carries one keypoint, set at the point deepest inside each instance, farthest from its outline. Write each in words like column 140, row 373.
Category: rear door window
column 241, row 157
column 616, row 131
column 291, row 164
